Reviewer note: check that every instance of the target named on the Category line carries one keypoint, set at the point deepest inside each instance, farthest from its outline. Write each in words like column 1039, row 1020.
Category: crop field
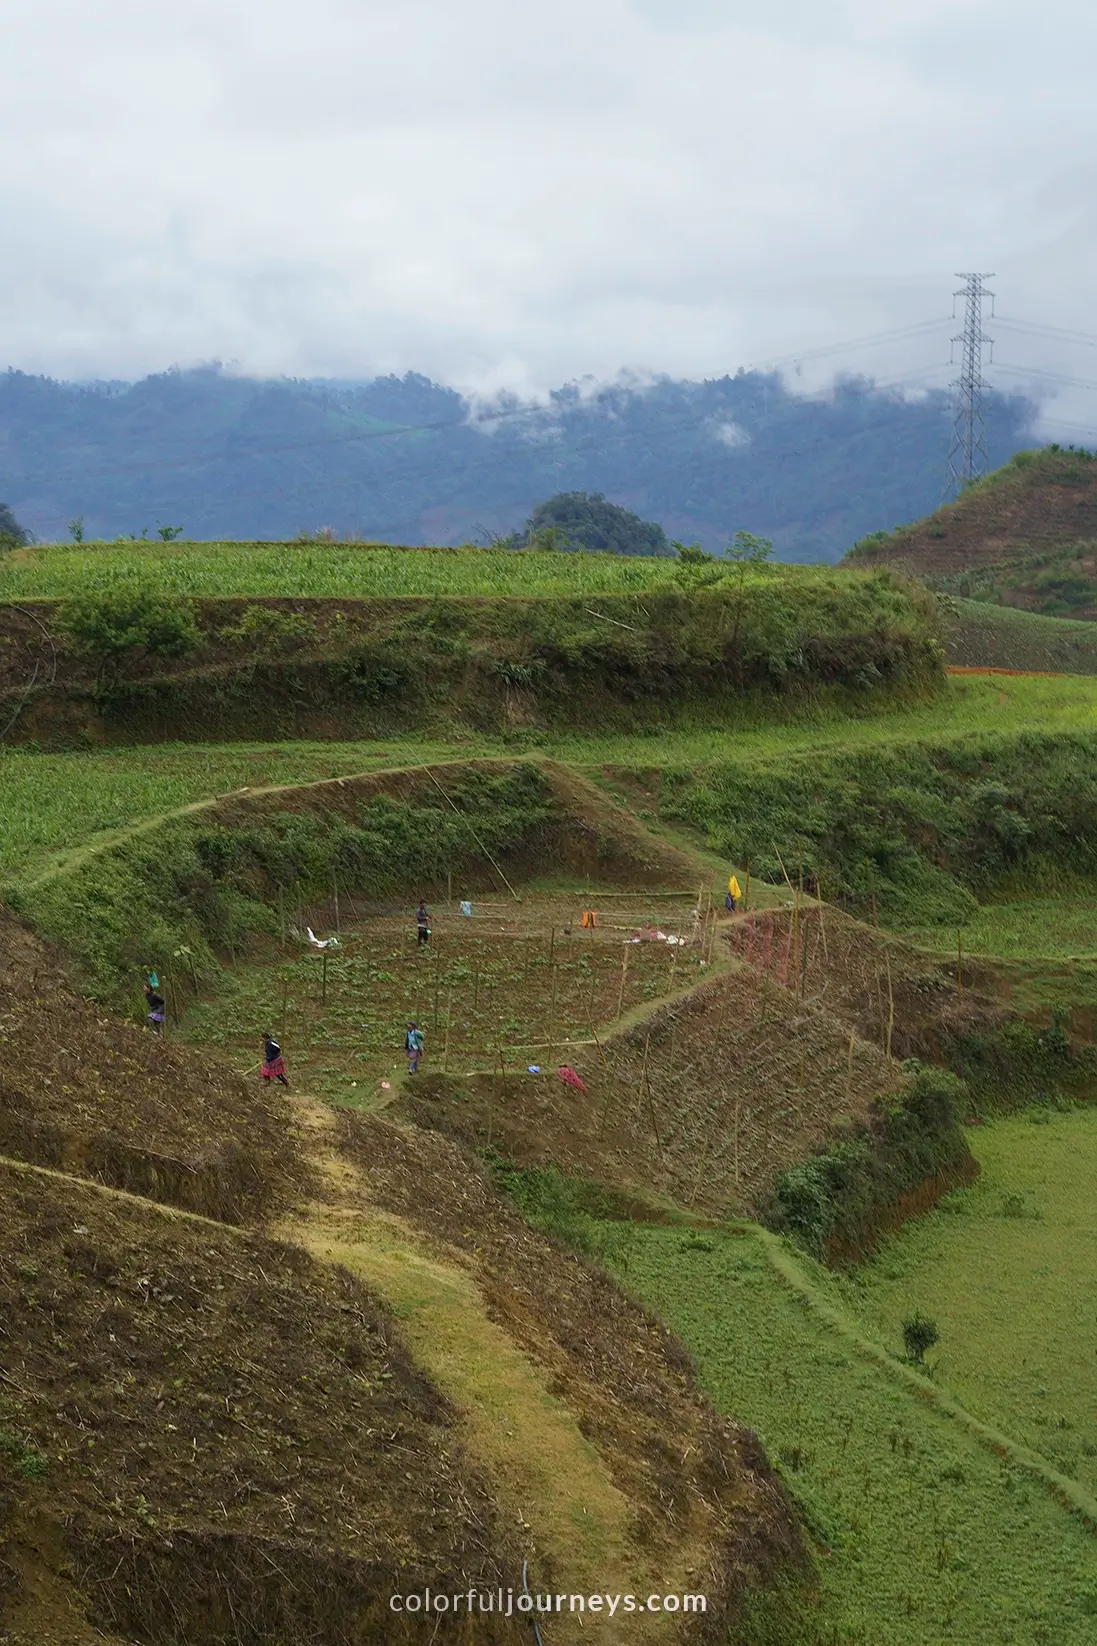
column 1008, row 1270
column 1026, row 928
column 501, row 986
column 924, row 1537
column 53, row 803
column 317, row 569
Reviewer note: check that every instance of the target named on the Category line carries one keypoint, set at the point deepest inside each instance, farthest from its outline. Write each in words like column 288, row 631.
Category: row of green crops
column 337, row 570
column 359, row 570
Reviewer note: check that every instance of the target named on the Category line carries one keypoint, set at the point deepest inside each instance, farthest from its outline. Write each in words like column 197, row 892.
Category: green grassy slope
column 466, row 656
column 925, row 1537
column 53, row 803
column 1008, row 1269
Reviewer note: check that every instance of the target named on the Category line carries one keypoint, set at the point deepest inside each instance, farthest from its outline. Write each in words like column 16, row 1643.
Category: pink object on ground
column 570, row 1078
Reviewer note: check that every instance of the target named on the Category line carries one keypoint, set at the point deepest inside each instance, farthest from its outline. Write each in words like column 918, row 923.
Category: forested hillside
column 405, row 460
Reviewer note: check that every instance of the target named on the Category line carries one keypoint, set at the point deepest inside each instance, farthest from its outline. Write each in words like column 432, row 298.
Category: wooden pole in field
column 643, row 1067
column 173, row 1004
column 593, row 986
column 494, row 1096
column 651, row 1112
column 449, row 1021
column 891, row 1002
column 959, row 966
column 746, row 890
column 435, row 1018
column 552, row 1019
column 598, row 1043
column 624, row 976
column 335, row 897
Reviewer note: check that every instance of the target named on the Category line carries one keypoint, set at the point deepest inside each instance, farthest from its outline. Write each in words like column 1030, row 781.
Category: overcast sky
column 520, row 192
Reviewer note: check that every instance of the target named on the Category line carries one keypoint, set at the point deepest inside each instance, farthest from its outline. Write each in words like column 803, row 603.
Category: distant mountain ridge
column 408, row 460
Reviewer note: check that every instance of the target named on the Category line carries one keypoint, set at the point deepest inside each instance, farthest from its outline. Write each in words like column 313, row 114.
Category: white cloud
column 502, row 194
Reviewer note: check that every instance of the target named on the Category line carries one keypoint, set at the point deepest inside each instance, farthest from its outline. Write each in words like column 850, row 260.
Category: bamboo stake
column 891, row 1002
column 644, row 1066
column 552, row 947
column 624, row 975
column 651, row 1112
column 598, row 1043
column 552, row 1018
column 449, row 1022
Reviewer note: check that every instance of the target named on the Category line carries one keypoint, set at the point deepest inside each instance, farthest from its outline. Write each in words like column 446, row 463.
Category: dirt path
column 579, row 1529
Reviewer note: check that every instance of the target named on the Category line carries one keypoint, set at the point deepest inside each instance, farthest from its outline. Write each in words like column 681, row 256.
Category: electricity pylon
column 967, row 457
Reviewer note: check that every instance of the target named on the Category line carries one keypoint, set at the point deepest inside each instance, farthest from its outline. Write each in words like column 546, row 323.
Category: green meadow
column 923, row 1536
column 1008, row 1269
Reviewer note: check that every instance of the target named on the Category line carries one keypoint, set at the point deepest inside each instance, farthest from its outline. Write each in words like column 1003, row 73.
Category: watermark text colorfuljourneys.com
column 507, row 1603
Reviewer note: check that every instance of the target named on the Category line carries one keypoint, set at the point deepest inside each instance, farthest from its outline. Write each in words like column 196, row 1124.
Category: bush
column 839, row 1198
column 111, row 623
column 919, row 1334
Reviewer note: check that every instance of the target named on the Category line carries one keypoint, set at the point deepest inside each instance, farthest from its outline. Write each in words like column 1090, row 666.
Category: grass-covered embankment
column 54, row 803
column 472, row 662
column 912, row 832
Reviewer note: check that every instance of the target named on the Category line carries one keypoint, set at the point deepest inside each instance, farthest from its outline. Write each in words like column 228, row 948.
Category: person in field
column 413, row 1045
column 422, row 924
column 274, row 1067
column 734, row 896
column 154, row 1007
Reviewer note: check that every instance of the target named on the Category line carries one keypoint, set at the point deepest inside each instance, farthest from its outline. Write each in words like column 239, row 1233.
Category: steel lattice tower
column 967, row 457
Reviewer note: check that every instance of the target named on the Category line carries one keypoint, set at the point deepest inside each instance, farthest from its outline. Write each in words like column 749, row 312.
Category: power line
column 898, row 334
column 1038, row 371
column 967, row 458
column 1036, row 328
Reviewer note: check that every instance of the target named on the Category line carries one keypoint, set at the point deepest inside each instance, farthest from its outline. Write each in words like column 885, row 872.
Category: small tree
column 76, row 529
column 168, row 533
column 696, row 569
column 745, row 550
column 12, row 534
column 919, row 1334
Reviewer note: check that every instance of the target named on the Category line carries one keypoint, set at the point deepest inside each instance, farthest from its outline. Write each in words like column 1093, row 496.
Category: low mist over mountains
column 405, row 460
